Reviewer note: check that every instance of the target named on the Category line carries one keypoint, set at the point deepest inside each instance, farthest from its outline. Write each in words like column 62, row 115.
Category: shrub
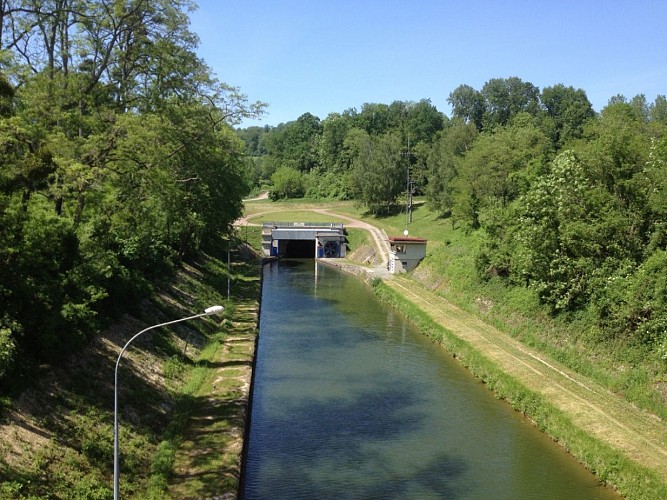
column 287, row 183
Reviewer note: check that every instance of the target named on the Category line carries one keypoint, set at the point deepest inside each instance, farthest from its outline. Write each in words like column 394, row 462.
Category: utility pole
column 408, row 189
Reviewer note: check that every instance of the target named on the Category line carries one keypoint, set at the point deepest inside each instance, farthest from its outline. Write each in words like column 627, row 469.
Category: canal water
column 351, row 401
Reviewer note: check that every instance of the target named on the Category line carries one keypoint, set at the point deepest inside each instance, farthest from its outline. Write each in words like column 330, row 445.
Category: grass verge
column 56, row 438
column 629, row 478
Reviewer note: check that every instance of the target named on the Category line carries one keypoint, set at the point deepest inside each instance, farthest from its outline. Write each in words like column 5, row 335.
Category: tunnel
column 305, row 240
column 300, row 249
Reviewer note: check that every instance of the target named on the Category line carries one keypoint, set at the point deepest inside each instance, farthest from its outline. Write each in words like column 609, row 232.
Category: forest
column 122, row 156
column 119, row 160
column 569, row 203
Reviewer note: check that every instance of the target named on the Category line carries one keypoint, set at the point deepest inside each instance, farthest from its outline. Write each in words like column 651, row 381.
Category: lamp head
column 213, row 310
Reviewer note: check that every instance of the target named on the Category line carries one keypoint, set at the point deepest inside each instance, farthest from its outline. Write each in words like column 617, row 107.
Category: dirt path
column 641, row 436
column 264, row 195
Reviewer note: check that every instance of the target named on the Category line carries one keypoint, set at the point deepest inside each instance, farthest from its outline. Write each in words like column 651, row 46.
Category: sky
column 327, row 56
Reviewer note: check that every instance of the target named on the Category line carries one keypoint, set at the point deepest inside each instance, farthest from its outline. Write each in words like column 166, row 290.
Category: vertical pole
column 408, row 192
column 407, row 195
column 116, row 494
column 229, row 269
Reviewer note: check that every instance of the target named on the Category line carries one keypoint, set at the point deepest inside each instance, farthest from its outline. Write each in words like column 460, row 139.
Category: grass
column 357, row 238
column 609, row 464
column 56, row 440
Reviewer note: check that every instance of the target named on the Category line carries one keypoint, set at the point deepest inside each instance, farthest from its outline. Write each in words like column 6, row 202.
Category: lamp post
column 207, row 312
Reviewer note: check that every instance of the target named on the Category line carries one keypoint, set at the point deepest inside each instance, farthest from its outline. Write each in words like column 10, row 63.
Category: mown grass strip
column 611, row 467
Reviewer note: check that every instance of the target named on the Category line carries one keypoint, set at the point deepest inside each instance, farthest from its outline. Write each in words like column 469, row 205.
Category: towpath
column 640, row 435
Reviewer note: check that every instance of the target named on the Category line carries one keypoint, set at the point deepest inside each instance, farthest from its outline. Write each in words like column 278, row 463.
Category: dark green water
column 351, row 401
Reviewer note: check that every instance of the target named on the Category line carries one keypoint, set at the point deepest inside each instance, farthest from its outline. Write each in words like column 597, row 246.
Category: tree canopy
column 119, row 159
column 569, row 203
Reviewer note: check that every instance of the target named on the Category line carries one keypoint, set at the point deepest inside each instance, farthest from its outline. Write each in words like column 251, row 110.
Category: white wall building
column 405, row 253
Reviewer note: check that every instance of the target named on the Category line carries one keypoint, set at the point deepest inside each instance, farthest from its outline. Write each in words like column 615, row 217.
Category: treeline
column 568, row 202
column 118, row 160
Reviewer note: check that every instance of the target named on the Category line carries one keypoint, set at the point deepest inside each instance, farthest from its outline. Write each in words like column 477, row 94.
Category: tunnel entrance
column 300, row 249
column 309, row 240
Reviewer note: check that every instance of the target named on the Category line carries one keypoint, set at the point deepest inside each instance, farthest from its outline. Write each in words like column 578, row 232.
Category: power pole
column 408, row 189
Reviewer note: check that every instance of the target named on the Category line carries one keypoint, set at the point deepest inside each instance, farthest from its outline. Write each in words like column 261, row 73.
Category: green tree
column 287, row 183
column 332, row 141
column 468, row 105
column 374, row 118
column 379, row 171
column 296, row 144
column 567, row 226
column 567, row 110
column 506, row 97
column 447, row 151
column 658, row 110
column 498, row 168
column 423, row 122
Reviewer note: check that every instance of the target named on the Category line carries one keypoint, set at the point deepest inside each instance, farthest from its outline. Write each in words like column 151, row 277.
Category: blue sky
column 324, row 56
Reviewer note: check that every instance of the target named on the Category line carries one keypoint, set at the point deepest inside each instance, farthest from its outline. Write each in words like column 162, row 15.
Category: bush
column 7, row 349
column 287, row 183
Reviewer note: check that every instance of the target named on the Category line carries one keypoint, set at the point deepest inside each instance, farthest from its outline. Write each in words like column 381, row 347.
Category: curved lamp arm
column 116, row 472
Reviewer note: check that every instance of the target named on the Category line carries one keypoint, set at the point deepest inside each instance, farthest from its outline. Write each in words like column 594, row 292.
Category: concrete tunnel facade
column 303, row 240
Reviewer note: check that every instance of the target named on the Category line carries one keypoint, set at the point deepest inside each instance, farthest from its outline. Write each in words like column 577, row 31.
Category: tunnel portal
column 303, row 239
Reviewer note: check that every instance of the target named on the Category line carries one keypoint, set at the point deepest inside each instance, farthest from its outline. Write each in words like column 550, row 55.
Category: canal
column 350, row 401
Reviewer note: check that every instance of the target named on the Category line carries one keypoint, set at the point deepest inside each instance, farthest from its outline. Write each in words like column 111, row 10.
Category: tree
column 379, row 171
column 296, row 144
column 499, row 167
column 567, row 110
column 568, row 229
column 334, row 130
column 447, row 151
column 506, row 97
column 658, row 110
column 374, row 118
column 423, row 121
column 468, row 105
column 287, row 183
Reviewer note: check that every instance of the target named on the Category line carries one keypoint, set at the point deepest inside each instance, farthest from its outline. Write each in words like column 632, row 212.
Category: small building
column 405, row 253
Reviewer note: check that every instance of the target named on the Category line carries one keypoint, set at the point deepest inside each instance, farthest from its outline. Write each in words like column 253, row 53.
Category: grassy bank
column 629, row 478
column 57, row 436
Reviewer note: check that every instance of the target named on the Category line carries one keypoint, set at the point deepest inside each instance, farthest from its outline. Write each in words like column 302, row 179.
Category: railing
column 280, row 225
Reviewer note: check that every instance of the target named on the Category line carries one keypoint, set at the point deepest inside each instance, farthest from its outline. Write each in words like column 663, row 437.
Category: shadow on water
column 361, row 455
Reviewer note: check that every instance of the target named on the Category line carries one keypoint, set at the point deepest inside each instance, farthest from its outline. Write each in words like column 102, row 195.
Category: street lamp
column 207, row 312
